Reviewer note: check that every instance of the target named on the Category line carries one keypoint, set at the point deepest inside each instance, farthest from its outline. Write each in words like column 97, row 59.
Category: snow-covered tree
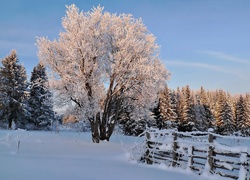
column 164, row 107
column 204, row 116
column 242, row 116
column 220, row 101
column 40, row 100
column 100, row 59
column 13, row 88
column 179, row 103
column 228, row 121
column 167, row 108
column 157, row 116
column 173, row 106
column 186, row 122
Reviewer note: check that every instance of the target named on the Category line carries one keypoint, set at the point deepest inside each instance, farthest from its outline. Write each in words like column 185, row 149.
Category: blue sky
column 203, row 42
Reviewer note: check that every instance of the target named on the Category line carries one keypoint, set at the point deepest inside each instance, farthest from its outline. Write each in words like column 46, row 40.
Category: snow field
column 72, row 155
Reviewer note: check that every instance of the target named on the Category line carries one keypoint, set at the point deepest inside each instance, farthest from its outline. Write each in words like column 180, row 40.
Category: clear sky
column 203, row 42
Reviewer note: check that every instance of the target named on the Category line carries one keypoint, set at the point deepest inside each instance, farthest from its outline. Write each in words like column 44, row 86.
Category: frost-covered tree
column 157, row 116
column 179, row 103
column 242, row 117
column 173, row 106
column 228, row 121
column 132, row 122
column 204, row 116
column 40, row 100
column 101, row 58
column 13, row 88
column 186, row 122
column 164, row 107
column 219, row 121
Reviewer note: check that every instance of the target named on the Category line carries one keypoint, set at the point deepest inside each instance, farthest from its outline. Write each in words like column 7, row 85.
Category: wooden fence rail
column 197, row 151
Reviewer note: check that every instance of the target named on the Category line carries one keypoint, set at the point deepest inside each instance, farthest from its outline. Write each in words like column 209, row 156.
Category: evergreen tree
column 167, row 108
column 242, row 116
column 40, row 101
column 227, row 117
column 206, row 113
column 221, row 100
column 187, row 114
column 157, row 116
column 179, row 104
column 13, row 85
column 173, row 106
column 164, row 105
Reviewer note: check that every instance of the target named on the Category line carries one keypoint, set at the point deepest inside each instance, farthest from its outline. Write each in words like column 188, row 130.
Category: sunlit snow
column 72, row 155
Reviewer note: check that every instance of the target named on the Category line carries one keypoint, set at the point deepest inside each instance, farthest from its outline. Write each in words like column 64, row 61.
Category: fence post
column 210, row 152
column 191, row 162
column 243, row 166
column 174, row 155
column 148, row 161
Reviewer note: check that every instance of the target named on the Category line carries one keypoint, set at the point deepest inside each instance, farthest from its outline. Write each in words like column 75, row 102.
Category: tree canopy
column 100, row 61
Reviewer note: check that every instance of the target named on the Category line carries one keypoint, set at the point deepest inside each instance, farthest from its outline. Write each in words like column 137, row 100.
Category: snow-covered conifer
column 40, row 101
column 173, row 106
column 227, row 117
column 13, row 85
column 204, row 116
column 186, row 122
column 242, row 117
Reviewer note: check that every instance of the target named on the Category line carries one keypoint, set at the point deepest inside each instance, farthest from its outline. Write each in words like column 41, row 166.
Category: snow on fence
column 198, row 151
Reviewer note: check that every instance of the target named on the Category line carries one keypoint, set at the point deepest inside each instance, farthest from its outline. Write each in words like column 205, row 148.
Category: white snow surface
column 72, row 155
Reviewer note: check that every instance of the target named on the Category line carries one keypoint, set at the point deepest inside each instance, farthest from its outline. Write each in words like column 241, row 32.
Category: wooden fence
column 197, row 151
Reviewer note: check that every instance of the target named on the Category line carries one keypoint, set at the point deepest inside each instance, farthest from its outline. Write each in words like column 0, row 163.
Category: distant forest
column 189, row 110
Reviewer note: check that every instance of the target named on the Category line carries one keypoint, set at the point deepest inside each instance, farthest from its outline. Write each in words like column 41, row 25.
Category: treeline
column 29, row 104
column 190, row 110
column 24, row 104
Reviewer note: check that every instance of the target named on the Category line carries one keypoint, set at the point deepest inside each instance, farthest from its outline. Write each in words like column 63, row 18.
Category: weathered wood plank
column 196, row 158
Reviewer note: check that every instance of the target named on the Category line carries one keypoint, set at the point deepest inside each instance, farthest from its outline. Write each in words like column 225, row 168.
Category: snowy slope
column 71, row 155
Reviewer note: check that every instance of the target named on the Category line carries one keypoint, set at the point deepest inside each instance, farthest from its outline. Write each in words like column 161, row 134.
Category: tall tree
column 187, row 115
column 205, row 114
column 101, row 59
column 40, row 101
column 179, row 104
column 13, row 87
column 173, row 106
column 221, row 100
column 157, row 115
column 164, row 107
column 227, row 117
column 242, row 116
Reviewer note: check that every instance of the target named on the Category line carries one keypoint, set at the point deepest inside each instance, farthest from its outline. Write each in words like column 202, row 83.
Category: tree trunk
column 113, row 121
column 94, row 123
column 105, row 120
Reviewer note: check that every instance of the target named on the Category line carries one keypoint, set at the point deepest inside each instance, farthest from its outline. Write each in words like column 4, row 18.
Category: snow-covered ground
column 71, row 155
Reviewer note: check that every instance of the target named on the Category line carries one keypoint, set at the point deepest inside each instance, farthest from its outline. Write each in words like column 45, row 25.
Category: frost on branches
column 101, row 62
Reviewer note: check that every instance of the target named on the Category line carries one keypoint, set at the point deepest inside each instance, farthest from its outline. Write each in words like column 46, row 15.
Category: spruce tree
column 173, row 106
column 157, row 116
column 167, row 108
column 40, row 102
column 187, row 114
column 219, row 121
column 227, row 117
column 206, row 112
column 242, row 116
column 13, row 85
column 164, row 107
column 179, row 104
